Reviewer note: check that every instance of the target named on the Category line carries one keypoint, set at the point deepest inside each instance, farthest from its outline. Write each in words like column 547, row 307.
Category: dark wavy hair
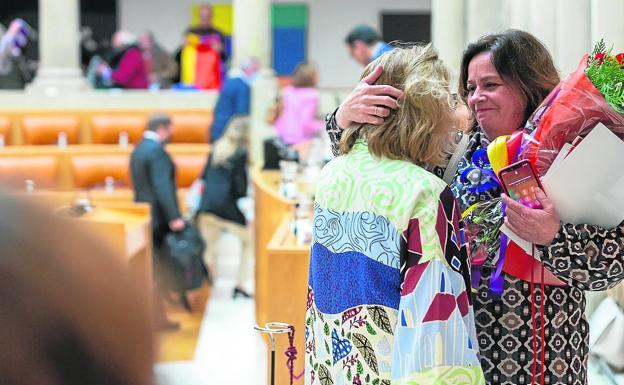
column 521, row 59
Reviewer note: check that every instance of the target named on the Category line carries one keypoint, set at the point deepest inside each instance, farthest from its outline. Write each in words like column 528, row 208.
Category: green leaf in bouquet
column 606, row 73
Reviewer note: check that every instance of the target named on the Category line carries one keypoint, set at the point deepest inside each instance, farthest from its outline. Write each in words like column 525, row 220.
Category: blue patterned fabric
column 363, row 232
column 356, row 280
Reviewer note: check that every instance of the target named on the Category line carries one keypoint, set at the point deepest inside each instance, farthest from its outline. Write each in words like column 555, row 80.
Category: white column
column 252, row 31
column 59, row 48
column 252, row 37
column 606, row 23
column 543, row 23
column 519, row 14
column 448, row 31
column 485, row 17
column 572, row 33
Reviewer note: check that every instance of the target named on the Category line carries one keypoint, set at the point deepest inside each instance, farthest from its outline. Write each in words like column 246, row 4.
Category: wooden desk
column 97, row 197
column 287, row 266
column 270, row 208
column 126, row 228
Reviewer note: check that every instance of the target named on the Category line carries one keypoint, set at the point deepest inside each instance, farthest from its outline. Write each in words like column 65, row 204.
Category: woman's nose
column 477, row 96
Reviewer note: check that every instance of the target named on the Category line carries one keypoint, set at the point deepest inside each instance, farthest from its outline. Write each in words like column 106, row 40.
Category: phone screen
column 520, row 184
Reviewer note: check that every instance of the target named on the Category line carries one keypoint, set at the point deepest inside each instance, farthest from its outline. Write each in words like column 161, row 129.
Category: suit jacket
column 153, row 180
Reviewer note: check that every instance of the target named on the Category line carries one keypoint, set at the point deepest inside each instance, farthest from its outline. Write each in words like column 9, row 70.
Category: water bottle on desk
column 288, row 187
column 62, row 139
column 30, row 186
column 303, row 219
column 109, row 184
column 123, row 139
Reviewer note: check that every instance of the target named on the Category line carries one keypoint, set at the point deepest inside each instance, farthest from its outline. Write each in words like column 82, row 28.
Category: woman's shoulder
column 395, row 169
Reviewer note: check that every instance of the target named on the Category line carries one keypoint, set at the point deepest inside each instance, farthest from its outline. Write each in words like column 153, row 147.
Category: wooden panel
column 191, row 125
column 5, row 129
column 106, row 129
column 41, row 169
column 109, row 157
column 287, row 266
column 89, row 171
column 270, row 208
column 41, row 130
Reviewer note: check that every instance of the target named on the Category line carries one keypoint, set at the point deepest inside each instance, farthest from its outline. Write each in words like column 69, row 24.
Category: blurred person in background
column 160, row 66
column 70, row 314
column 202, row 57
column 235, row 97
column 298, row 107
column 154, row 182
column 224, row 183
column 89, row 48
column 365, row 44
column 206, row 29
column 126, row 68
column 14, row 69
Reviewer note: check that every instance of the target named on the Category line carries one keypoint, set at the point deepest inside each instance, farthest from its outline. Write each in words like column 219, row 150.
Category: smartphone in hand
column 519, row 181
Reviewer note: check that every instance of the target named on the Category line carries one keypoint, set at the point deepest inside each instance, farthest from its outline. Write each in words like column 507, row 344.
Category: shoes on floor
column 238, row 291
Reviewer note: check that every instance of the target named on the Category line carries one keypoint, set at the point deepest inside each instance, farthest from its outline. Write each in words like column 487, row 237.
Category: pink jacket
column 131, row 73
column 297, row 122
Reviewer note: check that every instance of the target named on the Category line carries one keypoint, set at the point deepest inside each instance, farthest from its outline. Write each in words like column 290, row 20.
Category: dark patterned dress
column 509, row 329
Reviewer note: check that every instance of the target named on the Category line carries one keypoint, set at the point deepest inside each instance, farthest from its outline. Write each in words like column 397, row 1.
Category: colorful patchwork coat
column 389, row 299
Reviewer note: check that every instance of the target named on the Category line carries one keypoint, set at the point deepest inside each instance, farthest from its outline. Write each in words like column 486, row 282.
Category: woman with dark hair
column 504, row 77
column 69, row 312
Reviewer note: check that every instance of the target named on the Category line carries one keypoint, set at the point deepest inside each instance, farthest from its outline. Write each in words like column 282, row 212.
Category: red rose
column 600, row 56
column 620, row 58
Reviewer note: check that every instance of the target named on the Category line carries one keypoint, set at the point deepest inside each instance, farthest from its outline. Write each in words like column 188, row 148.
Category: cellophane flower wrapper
column 483, row 223
column 573, row 109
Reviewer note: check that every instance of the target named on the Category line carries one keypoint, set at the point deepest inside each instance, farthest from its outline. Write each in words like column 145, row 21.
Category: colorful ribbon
column 480, row 176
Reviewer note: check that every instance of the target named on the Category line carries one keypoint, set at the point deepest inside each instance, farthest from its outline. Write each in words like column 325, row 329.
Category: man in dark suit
column 153, row 177
column 153, row 180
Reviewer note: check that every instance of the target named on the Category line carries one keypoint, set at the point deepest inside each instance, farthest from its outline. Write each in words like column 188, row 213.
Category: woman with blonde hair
column 225, row 181
column 389, row 299
column 297, row 120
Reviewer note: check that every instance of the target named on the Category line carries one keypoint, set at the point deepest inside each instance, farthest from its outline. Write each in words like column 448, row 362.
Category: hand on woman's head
column 368, row 103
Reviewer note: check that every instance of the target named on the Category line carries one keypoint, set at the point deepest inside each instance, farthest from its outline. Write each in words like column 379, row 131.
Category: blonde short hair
column 418, row 130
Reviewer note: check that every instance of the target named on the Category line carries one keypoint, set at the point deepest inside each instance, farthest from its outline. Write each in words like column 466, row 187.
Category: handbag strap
column 453, row 163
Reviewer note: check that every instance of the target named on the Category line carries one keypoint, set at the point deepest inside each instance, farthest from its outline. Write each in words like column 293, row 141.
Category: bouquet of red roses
column 592, row 94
